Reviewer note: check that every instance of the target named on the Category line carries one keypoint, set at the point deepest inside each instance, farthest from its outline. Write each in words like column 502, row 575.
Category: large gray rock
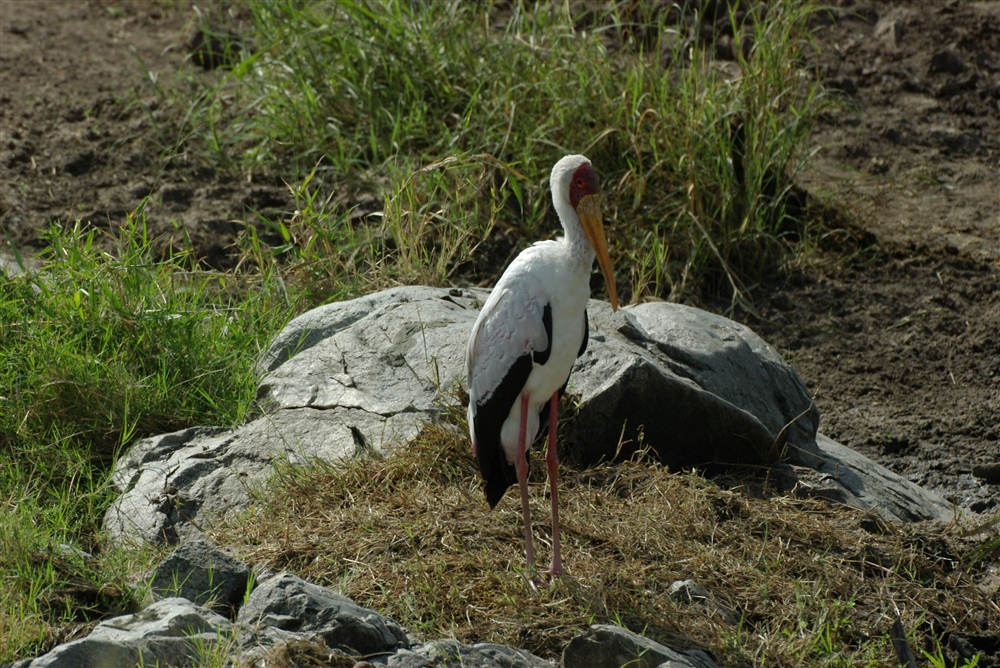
column 391, row 352
column 171, row 632
column 366, row 374
column 343, row 379
column 285, row 606
column 453, row 654
column 169, row 492
column 607, row 646
column 694, row 387
column 204, row 574
column 699, row 387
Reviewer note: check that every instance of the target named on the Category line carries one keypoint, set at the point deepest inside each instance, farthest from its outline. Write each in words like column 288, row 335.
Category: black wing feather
column 498, row 473
column 542, row 356
column 583, row 349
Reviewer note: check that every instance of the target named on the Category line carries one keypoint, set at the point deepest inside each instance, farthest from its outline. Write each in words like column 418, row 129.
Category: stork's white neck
column 559, row 183
column 575, row 238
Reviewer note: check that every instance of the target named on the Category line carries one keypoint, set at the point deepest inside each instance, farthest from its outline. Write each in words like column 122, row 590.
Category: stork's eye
column 580, row 183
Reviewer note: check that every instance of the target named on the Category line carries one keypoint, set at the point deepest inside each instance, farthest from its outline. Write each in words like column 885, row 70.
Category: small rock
column 878, row 165
column 204, row 574
column 453, row 654
column 947, row 61
column 845, row 84
column 287, row 607
column 814, row 485
column 210, row 48
column 890, row 30
column 607, row 646
column 988, row 473
column 989, row 582
column 689, row 592
column 80, row 164
column 169, row 632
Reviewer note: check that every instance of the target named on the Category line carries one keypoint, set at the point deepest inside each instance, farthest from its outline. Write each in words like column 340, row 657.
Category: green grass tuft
column 697, row 155
column 100, row 348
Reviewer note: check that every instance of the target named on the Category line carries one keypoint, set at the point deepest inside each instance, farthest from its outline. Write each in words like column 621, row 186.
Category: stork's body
column 530, row 331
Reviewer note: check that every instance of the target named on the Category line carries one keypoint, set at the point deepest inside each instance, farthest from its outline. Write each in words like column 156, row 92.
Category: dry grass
column 411, row 536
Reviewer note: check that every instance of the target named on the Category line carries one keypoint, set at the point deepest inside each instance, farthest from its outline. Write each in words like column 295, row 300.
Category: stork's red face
column 584, row 183
column 584, row 198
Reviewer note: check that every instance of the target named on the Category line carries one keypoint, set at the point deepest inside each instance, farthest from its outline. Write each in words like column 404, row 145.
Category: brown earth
column 900, row 343
column 897, row 331
column 85, row 133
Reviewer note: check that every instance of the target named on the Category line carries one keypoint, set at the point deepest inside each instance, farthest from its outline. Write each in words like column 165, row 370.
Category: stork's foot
column 547, row 579
column 556, row 567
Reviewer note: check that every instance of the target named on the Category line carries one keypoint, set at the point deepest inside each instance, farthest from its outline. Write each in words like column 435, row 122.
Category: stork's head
column 574, row 186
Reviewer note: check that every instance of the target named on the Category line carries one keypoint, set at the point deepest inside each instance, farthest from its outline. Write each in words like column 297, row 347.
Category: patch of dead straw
column 411, row 536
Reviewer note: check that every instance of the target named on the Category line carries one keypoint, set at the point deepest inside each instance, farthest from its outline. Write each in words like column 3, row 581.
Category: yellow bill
column 589, row 210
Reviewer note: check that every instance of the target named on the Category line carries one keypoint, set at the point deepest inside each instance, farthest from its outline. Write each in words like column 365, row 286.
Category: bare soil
column 895, row 326
column 85, row 133
column 899, row 340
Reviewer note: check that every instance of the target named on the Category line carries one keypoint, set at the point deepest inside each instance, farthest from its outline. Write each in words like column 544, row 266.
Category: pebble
column 989, row 473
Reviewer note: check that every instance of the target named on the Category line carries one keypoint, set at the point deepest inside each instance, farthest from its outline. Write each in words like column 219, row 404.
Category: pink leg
column 521, row 466
column 552, row 461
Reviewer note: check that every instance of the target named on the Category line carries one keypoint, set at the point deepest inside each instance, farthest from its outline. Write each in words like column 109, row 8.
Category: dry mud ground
column 896, row 330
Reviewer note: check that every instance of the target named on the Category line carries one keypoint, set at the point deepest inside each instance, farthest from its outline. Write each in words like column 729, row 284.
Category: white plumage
column 528, row 334
column 510, row 325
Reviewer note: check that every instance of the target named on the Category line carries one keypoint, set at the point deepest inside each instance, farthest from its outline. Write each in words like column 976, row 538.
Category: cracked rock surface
column 344, row 379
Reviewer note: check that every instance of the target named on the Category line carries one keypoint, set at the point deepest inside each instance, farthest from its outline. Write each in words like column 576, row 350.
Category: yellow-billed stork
column 523, row 345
